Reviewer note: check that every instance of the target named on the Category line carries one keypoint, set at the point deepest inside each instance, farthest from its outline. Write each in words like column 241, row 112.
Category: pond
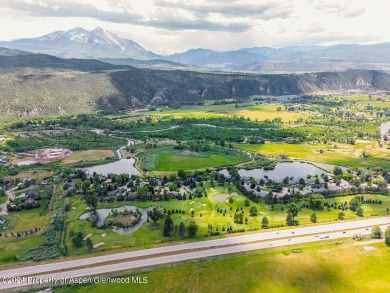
column 223, row 196
column 330, row 166
column 384, row 128
column 281, row 171
column 122, row 166
column 102, row 214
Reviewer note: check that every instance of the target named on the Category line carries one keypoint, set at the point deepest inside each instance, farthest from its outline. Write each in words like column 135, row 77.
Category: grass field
column 151, row 233
column 247, row 110
column 33, row 173
column 167, row 159
column 278, row 217
column 263, row 112
column 3, row 199
column 321, row 267
column 12, row 246
column 205, row 213
column 343, row 154
column 89, row 155
column 27, row 219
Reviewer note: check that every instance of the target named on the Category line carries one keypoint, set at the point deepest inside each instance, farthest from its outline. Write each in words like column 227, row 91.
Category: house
column 4, row 160
column 144, row 183
column 24, row 182
column 44, row 182
column 70, row 186
column 31, row 194
column 8, row 183
column 112, row 192
column 30, row 201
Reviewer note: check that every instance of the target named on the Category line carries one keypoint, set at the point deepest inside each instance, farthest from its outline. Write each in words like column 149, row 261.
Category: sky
column 170, row 26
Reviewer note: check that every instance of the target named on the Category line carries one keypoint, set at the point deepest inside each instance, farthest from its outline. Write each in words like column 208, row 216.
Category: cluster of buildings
column 128, row 191
column 51, row 154
column 27, row 200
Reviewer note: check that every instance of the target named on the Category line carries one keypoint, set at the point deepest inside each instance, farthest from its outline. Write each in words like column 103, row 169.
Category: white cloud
column 176, row 25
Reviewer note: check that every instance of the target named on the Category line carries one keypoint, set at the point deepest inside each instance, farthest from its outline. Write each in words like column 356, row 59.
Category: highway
column 149, row 257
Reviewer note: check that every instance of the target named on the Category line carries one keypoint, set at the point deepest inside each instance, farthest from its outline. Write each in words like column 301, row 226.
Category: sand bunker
column 98, row 244
column 86, row 237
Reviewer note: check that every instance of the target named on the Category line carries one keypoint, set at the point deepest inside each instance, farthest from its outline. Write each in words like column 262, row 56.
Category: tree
column 181, row 174
column 387, row 236
column 247, row 203
column 253, row 211
column 337, row 170
column 313, row 218
column 155, row 214
column 182, row 229
column 341, row 216
column 168, row 227
column 89, row 244
column 316, row 201
column 360, row 211
column 376, row 232
column 77, row 240
column 166, row 195
column 354, row 204
column 92, row 200
column 290, row 220
column 264, row 222
column 238, row 218
column 292, row 210
column 192, row 229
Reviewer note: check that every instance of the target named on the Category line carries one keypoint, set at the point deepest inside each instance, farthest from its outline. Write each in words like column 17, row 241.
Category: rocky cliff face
column 36, row 84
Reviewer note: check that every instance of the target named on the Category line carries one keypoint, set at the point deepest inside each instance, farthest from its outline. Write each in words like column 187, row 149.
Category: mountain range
column 80, row 43
column 106, row 46
column 39, row 84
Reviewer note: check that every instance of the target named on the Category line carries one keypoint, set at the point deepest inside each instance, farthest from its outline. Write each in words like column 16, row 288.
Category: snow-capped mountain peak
column 96, row 43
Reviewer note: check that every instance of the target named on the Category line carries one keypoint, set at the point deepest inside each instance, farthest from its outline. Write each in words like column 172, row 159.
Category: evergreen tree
column 192, row 229
column 182, row 229
column 168, row 227
column 313, row 218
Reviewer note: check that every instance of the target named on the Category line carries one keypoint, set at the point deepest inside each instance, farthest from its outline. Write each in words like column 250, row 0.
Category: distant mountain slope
column 12, row 52
column 102, row 44
column 291, row 59
column 152, row 64
column 80, row 43
column 24, row 59
column 32, row 85
column 231, row 60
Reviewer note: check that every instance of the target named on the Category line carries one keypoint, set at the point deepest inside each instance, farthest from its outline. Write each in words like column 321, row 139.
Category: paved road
column 261, row 236
column 269, row 239
column 3, row 207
